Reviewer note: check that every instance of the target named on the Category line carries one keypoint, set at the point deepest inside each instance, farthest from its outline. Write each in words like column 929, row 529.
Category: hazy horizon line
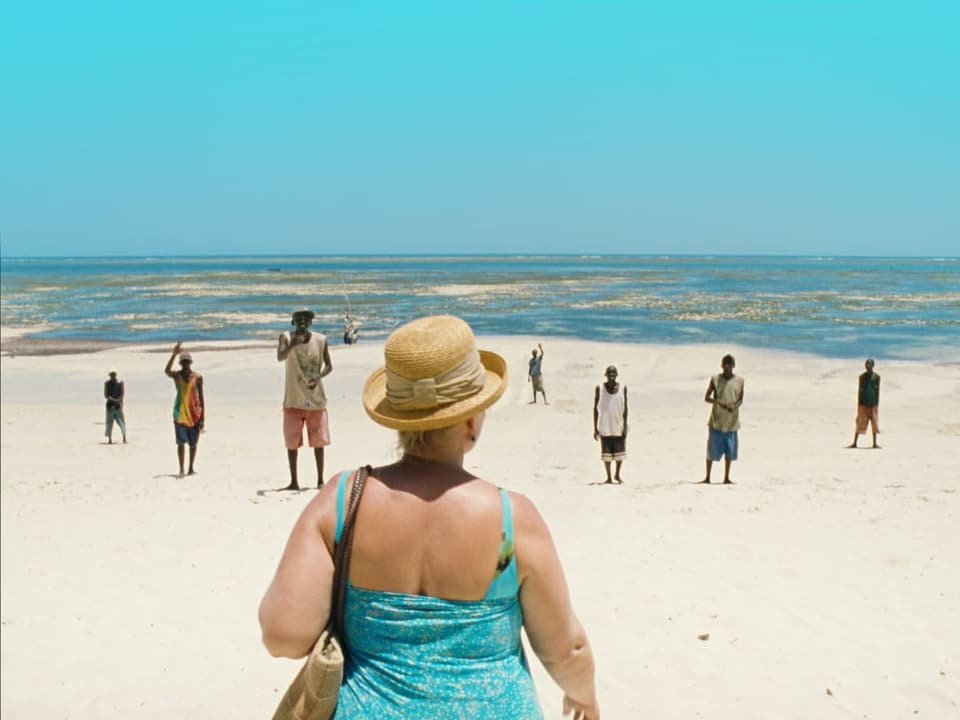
column 518, row 255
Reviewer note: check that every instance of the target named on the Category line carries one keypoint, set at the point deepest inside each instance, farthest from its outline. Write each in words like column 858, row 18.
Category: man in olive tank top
column 725, row 394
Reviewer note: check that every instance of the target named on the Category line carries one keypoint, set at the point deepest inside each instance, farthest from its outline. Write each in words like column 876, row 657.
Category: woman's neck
column 443, row 455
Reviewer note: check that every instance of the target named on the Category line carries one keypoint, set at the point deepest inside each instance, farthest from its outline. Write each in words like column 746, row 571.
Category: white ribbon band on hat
column 458, row 383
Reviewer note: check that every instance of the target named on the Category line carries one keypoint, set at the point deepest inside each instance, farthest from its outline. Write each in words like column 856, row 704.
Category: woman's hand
column 580, row 711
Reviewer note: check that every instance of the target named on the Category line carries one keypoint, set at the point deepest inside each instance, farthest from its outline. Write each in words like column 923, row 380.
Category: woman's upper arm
column 296, row 606
column 548, row 616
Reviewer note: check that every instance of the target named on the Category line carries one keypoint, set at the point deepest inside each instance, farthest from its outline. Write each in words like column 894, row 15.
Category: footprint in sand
column 952, row 429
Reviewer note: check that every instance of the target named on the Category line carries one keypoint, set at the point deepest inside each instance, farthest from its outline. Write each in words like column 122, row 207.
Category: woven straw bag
column 314, row 691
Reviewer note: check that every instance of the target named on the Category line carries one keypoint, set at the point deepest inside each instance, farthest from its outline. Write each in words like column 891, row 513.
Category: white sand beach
column 825, row 581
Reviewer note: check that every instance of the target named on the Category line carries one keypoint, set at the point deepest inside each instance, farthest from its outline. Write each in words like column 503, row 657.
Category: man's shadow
column 282, row 492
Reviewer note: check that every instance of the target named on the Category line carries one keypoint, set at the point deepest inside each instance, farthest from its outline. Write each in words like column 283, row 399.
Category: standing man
column 304, row 402
column 610, row 422
column 188, row 407
column 868, row 404
column 725, row 393
column 113, row 392
column 535, row 375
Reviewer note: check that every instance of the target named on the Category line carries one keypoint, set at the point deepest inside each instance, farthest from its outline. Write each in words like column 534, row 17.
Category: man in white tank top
column 610, row 422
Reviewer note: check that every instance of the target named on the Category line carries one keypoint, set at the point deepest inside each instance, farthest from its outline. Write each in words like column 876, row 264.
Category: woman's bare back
column 425, row 529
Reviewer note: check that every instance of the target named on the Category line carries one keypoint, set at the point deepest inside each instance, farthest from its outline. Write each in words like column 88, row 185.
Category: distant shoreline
column 26, row 345
column 12, row 346
column 484, row 256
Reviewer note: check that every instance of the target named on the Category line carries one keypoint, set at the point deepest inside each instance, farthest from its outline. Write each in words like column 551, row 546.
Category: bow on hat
column 458, row 383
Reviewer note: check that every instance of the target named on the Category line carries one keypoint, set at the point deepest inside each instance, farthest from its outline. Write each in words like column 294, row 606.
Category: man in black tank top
column 113, row 393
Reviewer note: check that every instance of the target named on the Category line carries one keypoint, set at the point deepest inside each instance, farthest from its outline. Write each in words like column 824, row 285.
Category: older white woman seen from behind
column 446, row 567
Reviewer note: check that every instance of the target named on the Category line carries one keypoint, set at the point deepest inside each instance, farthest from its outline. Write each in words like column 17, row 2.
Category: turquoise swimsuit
column 415, row 656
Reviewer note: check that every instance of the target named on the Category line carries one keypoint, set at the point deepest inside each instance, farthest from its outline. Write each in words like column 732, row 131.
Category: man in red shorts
column 868, row 404
column 307, row 360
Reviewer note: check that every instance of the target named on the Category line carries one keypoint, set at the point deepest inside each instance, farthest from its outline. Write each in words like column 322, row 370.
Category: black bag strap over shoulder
column 341, row 554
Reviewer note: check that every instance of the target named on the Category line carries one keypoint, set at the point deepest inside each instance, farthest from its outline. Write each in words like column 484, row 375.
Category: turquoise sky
column 141, row 127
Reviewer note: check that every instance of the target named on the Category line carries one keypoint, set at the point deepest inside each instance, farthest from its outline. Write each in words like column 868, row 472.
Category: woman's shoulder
column 340, row 483
column 526, row 516
column 321, row 511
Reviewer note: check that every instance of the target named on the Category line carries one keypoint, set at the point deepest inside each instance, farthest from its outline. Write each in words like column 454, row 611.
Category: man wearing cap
column 113, row 393
column 610, row 422
column 307, row 360
column 188, row 407
column 868, row 404
column 725, row 393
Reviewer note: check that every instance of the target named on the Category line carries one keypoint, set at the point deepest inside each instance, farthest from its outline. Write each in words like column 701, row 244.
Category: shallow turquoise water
column 830, row 306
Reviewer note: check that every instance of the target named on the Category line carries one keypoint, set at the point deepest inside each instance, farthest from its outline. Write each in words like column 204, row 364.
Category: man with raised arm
column 307, row 359
column 535, row 375
column 188, row 407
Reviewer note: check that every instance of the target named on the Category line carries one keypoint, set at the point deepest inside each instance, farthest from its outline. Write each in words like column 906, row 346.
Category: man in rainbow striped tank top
column 188, row 407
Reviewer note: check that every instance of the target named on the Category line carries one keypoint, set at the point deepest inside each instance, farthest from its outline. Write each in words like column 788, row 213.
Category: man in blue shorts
column 189, row 409
column 725, row 393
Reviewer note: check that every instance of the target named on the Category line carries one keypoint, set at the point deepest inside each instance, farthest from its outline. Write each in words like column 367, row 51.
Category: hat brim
column 379, row 409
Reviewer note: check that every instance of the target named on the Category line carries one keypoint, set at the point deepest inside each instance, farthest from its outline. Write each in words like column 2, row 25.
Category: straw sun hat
column 433, row 376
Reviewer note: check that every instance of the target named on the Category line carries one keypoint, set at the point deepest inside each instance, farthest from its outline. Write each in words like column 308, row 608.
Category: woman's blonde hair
column 413, row 440
column 409, row 441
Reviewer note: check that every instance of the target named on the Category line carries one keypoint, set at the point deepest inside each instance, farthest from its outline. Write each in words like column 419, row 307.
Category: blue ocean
column 841, row 307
